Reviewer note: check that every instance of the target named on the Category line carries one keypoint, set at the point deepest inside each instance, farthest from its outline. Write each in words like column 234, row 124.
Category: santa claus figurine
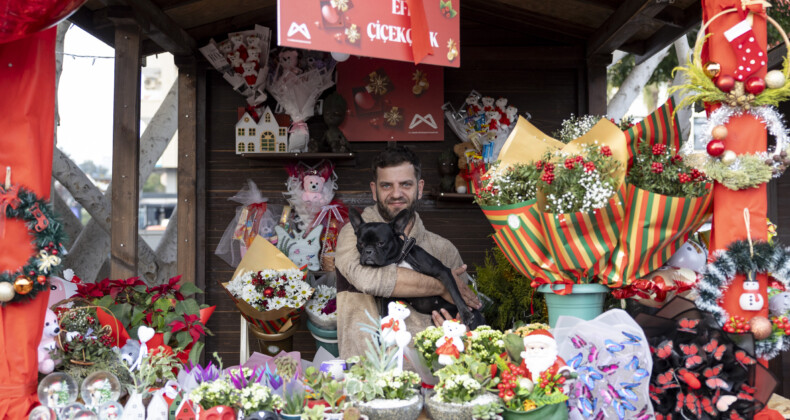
column 540, row 354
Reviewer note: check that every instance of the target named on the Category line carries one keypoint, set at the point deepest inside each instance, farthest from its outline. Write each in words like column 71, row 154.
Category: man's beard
column 385, row 212
column 537, row 364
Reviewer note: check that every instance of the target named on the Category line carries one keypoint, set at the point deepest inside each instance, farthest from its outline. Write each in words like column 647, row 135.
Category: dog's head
column 379, row 244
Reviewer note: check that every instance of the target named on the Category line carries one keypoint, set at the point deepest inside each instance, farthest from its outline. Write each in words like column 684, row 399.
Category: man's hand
column 438, row 318
column 469, row 296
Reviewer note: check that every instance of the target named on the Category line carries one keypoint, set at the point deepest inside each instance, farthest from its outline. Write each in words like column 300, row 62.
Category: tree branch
column 633, row 85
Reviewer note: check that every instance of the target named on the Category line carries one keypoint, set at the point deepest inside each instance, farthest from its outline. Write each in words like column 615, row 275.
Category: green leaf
column 106, row 302
column 166, row 337
column 194, row 353
column 514, row 344
column 188, row 306
column 123, row 312
column 189, row 289
column 183, row 338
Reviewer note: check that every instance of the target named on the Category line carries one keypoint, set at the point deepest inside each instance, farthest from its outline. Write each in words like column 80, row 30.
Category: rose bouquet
column 322, row 308
column 177, row 319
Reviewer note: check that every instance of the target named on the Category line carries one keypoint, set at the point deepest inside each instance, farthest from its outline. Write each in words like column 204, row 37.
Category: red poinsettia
column 119, row 286
column 191, row 324
column 90, row 290
column 166, row 288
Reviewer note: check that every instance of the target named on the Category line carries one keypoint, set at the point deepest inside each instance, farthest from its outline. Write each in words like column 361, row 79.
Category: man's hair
column 394, row 156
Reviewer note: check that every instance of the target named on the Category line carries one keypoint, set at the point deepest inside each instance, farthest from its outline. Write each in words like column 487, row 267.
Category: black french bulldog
column 382, row 244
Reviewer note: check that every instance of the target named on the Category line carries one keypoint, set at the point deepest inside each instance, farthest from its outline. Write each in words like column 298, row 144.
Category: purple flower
column 241, row 381
column 209, row 373
column 330, row 307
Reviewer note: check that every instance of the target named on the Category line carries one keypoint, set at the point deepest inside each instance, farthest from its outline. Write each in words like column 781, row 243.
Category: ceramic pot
column 438, row 410
column 220, row 412
column 381, row 409
column 585, row 301
column 284, row 416
column 553, row 411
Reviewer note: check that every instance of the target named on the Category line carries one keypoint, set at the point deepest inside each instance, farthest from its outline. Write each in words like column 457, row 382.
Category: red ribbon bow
column 567, row 285
column 392, row 323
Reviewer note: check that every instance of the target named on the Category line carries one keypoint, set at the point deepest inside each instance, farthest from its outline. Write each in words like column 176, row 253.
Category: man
column 396, row 186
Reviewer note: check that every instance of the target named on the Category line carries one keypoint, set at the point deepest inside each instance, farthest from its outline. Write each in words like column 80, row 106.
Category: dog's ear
column 400, row 221
column 355, row 218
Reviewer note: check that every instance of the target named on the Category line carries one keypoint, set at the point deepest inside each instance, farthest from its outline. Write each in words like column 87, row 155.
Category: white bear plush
column 253, row 41
column 225, row 47
column 472, row 104
column 451, row 344
column 492, row 119
column 51, row 330
column 250, row 75
column 488, row 104
column 237, row 40
column 501, row 104
column 393, row 328
column 511, row 115
column 235, row 61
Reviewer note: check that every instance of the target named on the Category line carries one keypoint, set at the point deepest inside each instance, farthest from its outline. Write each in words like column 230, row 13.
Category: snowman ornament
column 393, row 329
column 750, row 299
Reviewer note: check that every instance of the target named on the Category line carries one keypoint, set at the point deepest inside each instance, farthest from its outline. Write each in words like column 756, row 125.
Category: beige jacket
column 378, row 281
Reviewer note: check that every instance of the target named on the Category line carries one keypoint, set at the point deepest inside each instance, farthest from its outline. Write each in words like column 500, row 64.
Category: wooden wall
column 547, row 82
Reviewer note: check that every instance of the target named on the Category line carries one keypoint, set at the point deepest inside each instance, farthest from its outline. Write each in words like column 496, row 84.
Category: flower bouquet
column 243, row 389
column 322, row 308
column 268, row 289
column 177, row 319
column 297, row 89
column 484, row 344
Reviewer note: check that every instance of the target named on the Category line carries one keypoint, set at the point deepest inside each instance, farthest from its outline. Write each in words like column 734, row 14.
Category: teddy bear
column 51, row 330
column 488, row 104
column 289, row 60
column 451, row 344
column 510, row 116
column 472, row 104
column 225, row 47
column 393, row 328
column 236, row 62
column 501, row 104
column 460, row 150
column 237, row 40
column 313, row 188
column 254, row 56
column 492, row 119
column 250, row 75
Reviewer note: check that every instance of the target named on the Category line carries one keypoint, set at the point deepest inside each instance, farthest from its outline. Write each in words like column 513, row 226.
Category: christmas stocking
column 750, row 57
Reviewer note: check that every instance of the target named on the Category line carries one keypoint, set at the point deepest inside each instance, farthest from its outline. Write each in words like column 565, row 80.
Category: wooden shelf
column 455, row 197
column 266, row 158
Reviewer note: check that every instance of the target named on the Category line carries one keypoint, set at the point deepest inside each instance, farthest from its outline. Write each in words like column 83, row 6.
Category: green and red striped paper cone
column 660, row 127
column 655, row 227
column 581, row 243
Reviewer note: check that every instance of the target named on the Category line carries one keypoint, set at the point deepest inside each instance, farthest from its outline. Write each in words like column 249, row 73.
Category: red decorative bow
column 567, row 285
column 744, row 7
column 392, row 323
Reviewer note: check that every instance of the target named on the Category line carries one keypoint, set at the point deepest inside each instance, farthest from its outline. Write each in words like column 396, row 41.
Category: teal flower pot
column 585, row 302
column 324, row 338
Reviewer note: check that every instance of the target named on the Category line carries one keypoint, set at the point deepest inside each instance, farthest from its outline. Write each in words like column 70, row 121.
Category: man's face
column 396, row 188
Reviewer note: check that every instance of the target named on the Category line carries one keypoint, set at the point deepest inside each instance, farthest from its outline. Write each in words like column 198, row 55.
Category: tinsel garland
column 48, row 236
column 767, row 259
column 727, row 174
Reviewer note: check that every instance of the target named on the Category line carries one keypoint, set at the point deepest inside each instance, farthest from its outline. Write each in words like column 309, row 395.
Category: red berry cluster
column 447, row 12
column 548, row 173
column 509, row 381
column 684, row 178
column 659, row 149
column 539, row 165
column 737, row 324
column 589, row 167
column 781, row 324
column 677, row 159
column 549, row 382
column 569, row 163
column 606, row 151
column 696, row 174
column 657, row 167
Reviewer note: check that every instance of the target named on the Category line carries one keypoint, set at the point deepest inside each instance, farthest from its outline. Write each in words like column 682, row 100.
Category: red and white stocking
column 750, row 57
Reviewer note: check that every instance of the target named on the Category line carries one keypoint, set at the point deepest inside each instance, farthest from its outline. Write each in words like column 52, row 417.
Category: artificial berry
column 578, row 159
column 54, row 252
column 589, row 167
column 539, row 165
column 659, row 149
column 678, row 158
column 549, row 166
column 569, row 163
column 684, row 178
column 606, row 151
column 657, row 167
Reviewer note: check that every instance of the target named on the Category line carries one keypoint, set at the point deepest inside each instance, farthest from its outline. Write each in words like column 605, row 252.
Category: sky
column 85, row 96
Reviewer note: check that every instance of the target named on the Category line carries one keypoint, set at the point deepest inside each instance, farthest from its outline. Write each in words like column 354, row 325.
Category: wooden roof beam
column 521, row 19
column 162, row 29
column 668, row 34
column 101, row 29
column 622, row 25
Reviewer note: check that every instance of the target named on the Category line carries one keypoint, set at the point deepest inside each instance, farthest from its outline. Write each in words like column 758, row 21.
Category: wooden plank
column 200, row 184
column 187, row 170
column 519, row 19
column 201, row 12
column 162, row 29
column 621, row 25
column 87, row 21
column 669, row 34
column 596, row 84
column 126, row 152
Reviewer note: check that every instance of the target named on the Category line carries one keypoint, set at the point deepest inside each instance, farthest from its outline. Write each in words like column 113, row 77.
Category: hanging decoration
column 740, row 171
column 741, row 258
column 20, row 203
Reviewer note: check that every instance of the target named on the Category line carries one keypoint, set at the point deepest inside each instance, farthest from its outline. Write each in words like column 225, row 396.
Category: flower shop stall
column 266, row 177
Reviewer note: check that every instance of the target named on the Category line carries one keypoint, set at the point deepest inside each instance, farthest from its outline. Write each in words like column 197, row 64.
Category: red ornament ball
column 330, row 14
column 725, row 83
column 715, row 148
column 755, row 85
column 268, row 292
column 364, row 100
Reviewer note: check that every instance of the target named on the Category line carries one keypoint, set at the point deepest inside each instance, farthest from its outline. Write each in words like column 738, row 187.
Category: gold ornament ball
column 712, row 69
column 6, row 291
column 728, row 157
column 775, row 79
column 761, row 327
column 719, row 132
column 23, row 285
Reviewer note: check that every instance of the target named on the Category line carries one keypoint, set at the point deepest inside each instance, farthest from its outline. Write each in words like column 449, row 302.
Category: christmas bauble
column 24, row 17
column 6, row 291
column 100, row 387
column 755, row 85
column 712, row 69
column 43, row 413
column 775, row 79
column 715, row 148
column 364, row 99
column 330, row 14
column 23, row 285
column 719, row 132
column 340, row 57
column 725, row 83
column 728, row 157
column 761, row 327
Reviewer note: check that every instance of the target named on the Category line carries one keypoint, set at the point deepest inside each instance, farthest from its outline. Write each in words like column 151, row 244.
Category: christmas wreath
column 741, row 257
column 20, row 203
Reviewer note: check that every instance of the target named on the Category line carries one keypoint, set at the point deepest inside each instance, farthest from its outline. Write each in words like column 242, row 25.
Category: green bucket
column 546, row 412
column 324, row 338
column 585, row 302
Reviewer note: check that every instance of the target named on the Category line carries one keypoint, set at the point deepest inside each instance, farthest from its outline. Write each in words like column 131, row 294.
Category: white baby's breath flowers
column 245, row 287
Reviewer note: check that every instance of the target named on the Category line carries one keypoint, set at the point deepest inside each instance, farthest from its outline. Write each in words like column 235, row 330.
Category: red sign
column 391, row 100
column 374, row 28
